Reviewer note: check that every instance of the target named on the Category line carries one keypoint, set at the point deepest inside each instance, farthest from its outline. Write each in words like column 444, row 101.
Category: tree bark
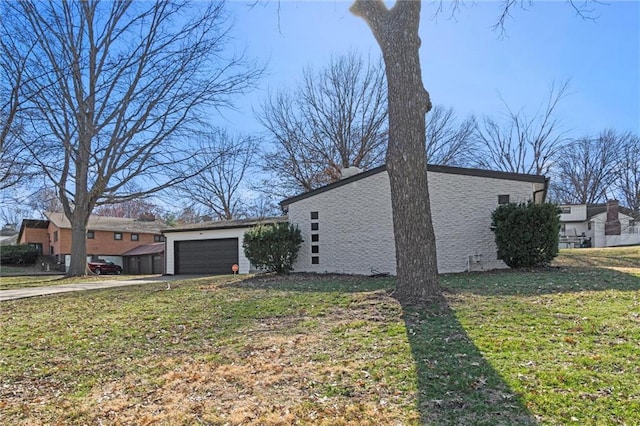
column 396, row 31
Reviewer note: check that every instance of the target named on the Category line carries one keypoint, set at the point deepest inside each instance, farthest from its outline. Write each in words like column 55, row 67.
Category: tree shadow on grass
column 456, row 385
column 535, row 282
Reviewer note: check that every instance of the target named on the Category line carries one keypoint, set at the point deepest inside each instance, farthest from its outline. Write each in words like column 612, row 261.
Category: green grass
column 556, row 346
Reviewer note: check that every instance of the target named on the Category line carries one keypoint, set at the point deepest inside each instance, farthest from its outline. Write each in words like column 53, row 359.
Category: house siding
column 355, row 226
column 172, row 237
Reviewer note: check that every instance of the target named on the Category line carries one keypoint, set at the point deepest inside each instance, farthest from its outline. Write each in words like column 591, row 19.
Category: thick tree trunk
column 396, row 31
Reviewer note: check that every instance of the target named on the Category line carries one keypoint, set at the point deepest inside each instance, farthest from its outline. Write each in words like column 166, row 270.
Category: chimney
column 349, row 171
column 612, row 225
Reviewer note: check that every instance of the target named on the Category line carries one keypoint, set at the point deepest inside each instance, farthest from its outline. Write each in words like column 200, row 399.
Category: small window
column 315, row 249
column 315, row 260
column 315, row 238
column 55, row 236
column 314, row 215
column 134, row 237
column 314, row 226
column 90, row 235
column 589, row 226
column 632, row 222
column 158, row 238
column 503, row 199
column 565, row 210
column 117, row 235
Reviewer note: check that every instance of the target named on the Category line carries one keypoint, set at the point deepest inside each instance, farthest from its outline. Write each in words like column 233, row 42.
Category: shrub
column 272, row 247
column 526, row 234
column 19, row 254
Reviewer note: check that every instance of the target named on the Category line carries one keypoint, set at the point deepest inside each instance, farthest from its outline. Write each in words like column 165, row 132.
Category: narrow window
column 117, row 235
column 134, row 237
column 589, row 226
column 503, row 199
column 315, row 249
column 315, row 238
column 314, row 226
column 315, row 260
column 314, row 215
column 565, row 210
column 90, row 235
column 55, row 236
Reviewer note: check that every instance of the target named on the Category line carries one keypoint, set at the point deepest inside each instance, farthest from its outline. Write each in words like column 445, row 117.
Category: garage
column 207, row 257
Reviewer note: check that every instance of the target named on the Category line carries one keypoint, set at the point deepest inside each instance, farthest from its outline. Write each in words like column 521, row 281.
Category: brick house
column 347, row 226
column 107, row 237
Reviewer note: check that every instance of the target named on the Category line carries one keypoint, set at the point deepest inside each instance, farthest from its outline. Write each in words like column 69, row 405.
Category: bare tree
column 225, row 161
column 523, row 144
column 134, row 209
column 586, row 169
column 335, row 118
column 396, row 31
column 122, row 87
column 627, row 173
column 449, row 143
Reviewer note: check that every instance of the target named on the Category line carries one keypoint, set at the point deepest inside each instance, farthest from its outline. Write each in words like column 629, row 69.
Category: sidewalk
column 23, row 293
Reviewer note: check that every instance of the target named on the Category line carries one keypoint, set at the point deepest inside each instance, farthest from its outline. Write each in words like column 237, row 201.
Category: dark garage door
column 206, row 256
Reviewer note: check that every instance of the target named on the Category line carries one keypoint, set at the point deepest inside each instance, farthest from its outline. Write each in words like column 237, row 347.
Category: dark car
column 101, row 266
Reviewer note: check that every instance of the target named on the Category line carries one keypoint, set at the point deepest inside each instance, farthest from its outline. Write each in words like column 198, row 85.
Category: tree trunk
column 396, row 31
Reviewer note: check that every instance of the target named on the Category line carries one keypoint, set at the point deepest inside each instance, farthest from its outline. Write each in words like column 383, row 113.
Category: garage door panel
column 214, row 256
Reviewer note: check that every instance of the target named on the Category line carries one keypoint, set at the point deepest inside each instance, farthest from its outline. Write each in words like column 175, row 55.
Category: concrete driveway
column 23, row 293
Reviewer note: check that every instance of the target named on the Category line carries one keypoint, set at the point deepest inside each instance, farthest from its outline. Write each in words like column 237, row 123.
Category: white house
column 347, row 225
column 209, row 248
column 601, row 225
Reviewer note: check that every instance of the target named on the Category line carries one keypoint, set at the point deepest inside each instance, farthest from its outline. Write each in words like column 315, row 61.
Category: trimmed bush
column 19, row 254
column 526, row 234
column 272, row 247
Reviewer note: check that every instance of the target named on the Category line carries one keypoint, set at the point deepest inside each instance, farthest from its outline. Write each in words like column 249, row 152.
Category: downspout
column 544, row 190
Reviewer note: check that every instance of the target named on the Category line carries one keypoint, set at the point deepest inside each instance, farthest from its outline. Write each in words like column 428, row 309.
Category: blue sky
column 466, row 65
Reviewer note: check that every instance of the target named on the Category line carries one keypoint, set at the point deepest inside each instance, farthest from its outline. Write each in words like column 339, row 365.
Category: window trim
column 91, row 235
column 135, row 237
column 115, row 236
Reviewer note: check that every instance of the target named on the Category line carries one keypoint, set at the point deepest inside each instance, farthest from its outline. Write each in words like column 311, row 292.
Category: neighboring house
column 107, row 237
column 211, row 247
column 347, row 226
column 8, row 235
column 598, row 225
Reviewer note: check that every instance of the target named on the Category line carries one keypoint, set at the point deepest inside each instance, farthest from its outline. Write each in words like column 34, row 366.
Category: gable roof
column 596, row 209
column 493, row 174
column 106, row 223
column 226, row 224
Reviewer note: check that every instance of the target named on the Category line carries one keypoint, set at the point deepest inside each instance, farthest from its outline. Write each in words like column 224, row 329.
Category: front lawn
column 555, row 346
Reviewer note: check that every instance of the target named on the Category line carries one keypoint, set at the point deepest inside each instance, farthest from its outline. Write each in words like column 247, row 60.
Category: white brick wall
column 356, row 228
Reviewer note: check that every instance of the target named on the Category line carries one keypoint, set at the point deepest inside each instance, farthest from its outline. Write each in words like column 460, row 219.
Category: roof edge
column 493, row 174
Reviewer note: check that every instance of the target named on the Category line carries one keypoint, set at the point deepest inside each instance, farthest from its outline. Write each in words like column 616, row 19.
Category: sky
column 466, row 65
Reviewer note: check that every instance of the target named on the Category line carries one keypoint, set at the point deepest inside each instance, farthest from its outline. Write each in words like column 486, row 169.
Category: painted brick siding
column 356, row 228
column 171, row 237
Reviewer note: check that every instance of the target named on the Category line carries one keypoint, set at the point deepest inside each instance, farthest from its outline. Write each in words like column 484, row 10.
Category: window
column 565, row 210
column 314, row 226
column 315, row 260
column 117, row 235
column 315, row 238
column 503, row 199
column 55, row 236
column 90, row 235
column 563, row 229
column 314, row 215
column 134, row 237
column 589, row 226
column 158, row 238
column 315, row 249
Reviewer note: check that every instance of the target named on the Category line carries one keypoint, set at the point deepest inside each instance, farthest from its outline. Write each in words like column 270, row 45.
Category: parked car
column 101, row 266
